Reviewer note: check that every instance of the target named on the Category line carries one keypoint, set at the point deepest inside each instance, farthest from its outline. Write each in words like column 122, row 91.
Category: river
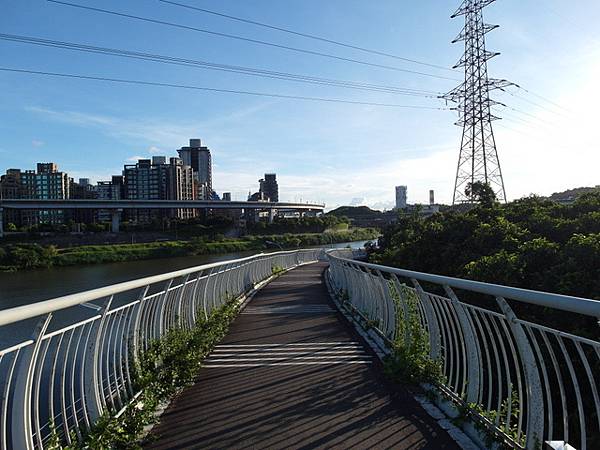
column 20, row 288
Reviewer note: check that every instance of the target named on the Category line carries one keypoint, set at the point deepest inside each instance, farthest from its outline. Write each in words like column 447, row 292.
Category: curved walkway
column 293, row 374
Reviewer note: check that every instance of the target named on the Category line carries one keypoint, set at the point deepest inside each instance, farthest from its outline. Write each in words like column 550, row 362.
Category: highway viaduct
column 117, row 206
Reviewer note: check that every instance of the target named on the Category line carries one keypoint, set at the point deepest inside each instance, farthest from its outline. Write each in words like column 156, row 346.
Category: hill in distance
column 572, row 194
column 356, row 212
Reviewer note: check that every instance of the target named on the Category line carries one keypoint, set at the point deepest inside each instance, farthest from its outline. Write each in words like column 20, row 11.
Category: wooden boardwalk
column 293, row 374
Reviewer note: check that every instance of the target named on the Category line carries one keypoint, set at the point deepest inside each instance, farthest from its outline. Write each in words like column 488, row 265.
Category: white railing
column 78, row 360
column 527, row 382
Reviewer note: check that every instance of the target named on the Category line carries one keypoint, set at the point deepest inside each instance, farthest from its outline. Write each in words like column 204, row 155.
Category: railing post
column 535, row 401
column 136, row 332
column 204, row 299
column 22, row 437
column 193, row 302
column 474, row 362
column 432, row 323
column 179, row 317
column 160, row 317
column 93, row 396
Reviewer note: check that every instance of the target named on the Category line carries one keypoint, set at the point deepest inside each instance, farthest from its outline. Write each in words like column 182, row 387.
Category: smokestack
column 431, row 197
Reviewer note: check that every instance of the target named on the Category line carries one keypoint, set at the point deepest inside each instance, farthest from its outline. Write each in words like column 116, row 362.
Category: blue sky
column 335, row 153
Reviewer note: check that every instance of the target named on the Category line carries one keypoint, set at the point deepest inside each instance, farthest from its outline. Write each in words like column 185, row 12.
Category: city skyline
column 320, row 152
column 194, row 158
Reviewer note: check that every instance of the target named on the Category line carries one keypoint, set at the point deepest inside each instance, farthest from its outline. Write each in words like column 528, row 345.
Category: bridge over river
column 302, row 364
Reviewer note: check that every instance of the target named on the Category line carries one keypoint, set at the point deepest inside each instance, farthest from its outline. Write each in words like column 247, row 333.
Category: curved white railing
column 77, row 362
column 527, row 382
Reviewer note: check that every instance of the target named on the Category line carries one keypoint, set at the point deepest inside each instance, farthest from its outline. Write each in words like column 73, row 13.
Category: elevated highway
column 117, row 206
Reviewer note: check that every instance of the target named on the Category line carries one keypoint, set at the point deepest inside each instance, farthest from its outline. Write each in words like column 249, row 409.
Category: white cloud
column 135, row 158
column 73, row 117
column 558, row 149
column 158, row 132
column 371, row 185
column 384, row 206
column 364, row 153
column 37, row 143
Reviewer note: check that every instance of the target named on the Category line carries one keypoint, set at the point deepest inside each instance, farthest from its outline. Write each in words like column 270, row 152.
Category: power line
column 214, row 66
column 547, row 100
column 209, row 89
column 532, row 116
column 524, row 113
column 531, row 102
column 306, row 35
column 514, row 119
column 254, row 41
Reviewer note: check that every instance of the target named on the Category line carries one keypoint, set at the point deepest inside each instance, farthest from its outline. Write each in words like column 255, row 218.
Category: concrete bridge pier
column 1, row 222
column 116, row 220
column 271, row 215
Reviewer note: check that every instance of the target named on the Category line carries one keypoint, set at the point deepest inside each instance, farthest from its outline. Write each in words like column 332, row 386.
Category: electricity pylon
column 478, row 159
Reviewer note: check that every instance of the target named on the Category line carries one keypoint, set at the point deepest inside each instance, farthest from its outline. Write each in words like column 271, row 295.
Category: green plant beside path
column 409, row 361
column 167, row 366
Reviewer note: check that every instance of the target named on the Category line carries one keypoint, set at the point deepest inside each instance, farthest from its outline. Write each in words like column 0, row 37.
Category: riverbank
column 18, row 257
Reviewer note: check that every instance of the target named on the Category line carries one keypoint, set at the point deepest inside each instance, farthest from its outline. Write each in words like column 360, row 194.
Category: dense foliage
column 302, row 225
column 197, row 226
column 30, row 255
column 194, row 226
column 530, row 243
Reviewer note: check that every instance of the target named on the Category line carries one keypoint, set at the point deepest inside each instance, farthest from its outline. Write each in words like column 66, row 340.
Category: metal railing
column 78, row 361
column 526, row 382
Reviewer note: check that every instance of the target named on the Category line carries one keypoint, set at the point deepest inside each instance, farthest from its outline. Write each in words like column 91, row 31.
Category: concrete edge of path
column 376, row 344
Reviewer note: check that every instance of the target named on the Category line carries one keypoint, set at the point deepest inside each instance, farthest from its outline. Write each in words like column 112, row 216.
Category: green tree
column 481, row 192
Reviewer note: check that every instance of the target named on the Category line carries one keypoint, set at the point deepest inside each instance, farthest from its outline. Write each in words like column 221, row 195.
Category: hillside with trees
column 573, row 194
column 532, row 243
column 363, row 216
column 356, row 212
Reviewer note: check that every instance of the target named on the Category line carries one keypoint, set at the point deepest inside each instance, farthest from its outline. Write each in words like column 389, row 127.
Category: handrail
column 18, row 313
column 78, row 365
column 585, row 306
column 525, row 382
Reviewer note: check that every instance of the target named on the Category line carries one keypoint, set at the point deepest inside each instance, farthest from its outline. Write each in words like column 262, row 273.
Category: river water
column 22, row 288
column 31, row 286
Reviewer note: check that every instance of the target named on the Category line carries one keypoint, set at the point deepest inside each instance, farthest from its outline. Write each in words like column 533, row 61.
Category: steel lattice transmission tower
column 478, row 159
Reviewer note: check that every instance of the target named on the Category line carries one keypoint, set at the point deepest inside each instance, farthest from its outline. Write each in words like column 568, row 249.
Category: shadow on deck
column 292, row 373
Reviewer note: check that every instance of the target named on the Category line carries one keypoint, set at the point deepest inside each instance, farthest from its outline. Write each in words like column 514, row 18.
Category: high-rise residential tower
column 269, row 187
column 51, row 184
column 47, row 183
column 401, row 197
column 158, row 180
column 199, row 159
